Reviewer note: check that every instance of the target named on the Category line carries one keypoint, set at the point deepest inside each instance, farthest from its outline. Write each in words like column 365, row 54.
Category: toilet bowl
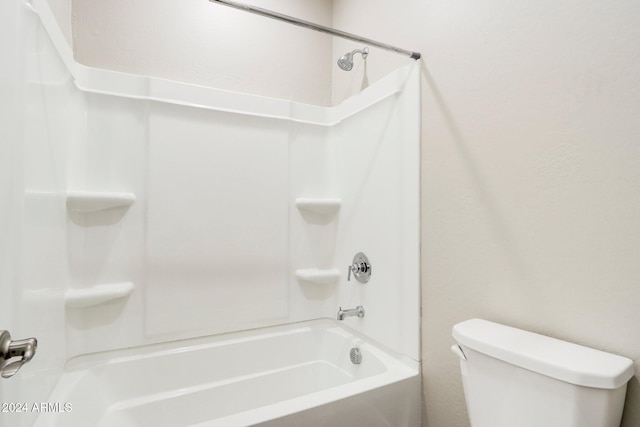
column 515, row 378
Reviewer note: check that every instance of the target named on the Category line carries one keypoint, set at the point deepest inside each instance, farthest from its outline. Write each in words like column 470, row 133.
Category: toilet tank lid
column 552, row 357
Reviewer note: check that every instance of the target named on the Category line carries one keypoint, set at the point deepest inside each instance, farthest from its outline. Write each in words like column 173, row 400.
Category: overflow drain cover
column 356, row 356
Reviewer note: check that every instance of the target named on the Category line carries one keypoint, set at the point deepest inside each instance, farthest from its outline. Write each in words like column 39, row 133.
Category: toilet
column 515, row 378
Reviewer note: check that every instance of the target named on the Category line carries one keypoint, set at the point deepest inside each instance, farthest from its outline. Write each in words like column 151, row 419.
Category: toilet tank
column 515, row 378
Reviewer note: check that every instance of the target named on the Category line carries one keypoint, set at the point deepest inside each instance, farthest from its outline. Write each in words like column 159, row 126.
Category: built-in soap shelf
column 318, row 210
column 322, row 206
column 94, row 201
column 99, row 294
column 318, row 276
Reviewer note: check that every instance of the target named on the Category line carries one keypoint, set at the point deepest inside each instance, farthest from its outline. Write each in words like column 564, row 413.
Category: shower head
column 345, row 62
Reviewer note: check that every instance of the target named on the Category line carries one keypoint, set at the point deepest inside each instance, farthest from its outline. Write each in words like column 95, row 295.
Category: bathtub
column 292, row 375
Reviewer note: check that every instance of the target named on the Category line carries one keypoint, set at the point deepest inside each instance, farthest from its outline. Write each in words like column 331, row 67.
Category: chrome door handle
column 15, row 353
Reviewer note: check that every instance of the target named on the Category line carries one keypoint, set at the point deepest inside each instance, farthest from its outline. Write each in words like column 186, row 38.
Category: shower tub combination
column 189, row 360
column 291, row 375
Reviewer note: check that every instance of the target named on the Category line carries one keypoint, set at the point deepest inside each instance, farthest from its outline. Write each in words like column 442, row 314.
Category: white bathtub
column 292, row 375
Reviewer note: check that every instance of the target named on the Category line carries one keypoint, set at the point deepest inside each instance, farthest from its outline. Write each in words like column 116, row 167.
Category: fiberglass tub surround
column 181, row 212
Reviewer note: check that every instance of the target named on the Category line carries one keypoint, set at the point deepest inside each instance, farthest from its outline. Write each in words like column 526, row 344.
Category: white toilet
column 515, row 378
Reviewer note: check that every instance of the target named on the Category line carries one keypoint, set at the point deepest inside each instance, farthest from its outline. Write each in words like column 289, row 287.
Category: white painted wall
column 209, row 44
column 530, row 172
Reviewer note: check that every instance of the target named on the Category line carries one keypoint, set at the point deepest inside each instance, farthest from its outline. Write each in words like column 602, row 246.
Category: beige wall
column 62, row 11
column 530, row 173
column 206, row 44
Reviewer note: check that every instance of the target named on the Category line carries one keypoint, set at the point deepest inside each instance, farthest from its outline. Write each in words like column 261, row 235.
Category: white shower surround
column 142, row 166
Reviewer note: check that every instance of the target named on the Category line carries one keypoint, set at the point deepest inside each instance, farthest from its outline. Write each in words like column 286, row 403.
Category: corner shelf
column 318, row 210
column 318, row 276
column 94, row 201
column 81, row 298
column 322, row 206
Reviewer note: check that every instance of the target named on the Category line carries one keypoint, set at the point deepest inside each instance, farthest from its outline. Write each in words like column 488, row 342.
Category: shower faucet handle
column 361, row 268
column 23, row 350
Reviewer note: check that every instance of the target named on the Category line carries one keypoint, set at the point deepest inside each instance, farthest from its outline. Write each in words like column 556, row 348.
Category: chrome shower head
column 345, row 62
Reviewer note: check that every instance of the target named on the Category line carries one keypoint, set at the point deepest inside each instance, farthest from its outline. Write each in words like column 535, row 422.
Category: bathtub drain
column 356, row 356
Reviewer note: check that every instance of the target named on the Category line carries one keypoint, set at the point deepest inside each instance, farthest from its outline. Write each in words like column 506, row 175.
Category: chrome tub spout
column 358, row 311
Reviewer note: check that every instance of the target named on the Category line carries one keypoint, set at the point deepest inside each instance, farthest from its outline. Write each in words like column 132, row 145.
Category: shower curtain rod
column 316, row 27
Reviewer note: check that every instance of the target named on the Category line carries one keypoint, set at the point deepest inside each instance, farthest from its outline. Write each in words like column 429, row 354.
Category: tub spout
column 358, row 311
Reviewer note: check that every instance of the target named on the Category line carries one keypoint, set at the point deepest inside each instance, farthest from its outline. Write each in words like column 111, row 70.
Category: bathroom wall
column 530, row 172
column 208, row 44
column 62, row 10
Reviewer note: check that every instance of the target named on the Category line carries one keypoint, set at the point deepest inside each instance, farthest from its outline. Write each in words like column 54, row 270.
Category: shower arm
column 364, row 52
column 316, row 27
